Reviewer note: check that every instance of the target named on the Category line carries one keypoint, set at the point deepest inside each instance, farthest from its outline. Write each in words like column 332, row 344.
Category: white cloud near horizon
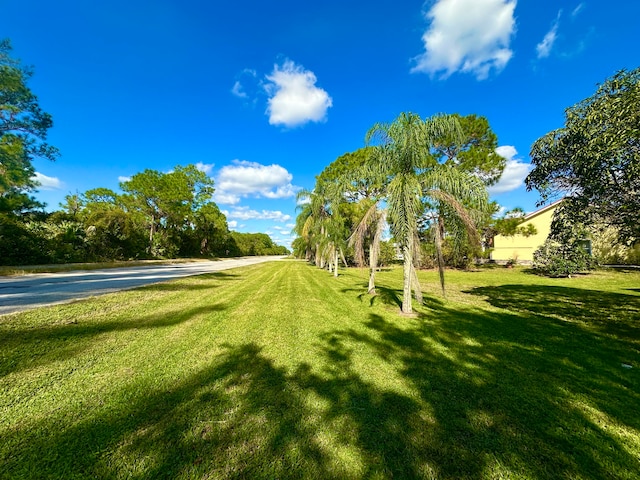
column 251, row 179
column 123, row 178
column 294, row 98
column 543, row 49
column 469, row 36
column 246, row 213
column 47, row 183
column 514, row 173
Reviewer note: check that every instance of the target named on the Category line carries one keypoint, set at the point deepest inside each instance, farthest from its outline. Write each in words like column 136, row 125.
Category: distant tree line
column 157, row 215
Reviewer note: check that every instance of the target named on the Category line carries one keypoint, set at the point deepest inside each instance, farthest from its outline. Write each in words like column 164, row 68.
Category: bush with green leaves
column 557, row 259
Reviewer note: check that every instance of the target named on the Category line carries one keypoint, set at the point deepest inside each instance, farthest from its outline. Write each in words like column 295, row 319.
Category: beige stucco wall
column 519, row 247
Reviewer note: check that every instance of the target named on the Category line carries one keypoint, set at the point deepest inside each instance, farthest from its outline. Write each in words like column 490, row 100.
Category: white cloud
column 470, row 36
column 122, row 178
column 514, row 173
column 303, row 201
column 232, row 224
column 294, row 98
column 507, row 151
column 245, row 213
column 47, row 183
column 238, row 91
column 205, row 167
column 239, row 88
column 577, row 10
column 243, row 179
column 543, row 49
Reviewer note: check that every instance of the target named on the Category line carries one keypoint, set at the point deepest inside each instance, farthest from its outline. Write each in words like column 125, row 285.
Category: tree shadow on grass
column 241, row 417
column 484, row 400
column 616, row 314
column 498, row 396
column 469, row 394
column 30, row 347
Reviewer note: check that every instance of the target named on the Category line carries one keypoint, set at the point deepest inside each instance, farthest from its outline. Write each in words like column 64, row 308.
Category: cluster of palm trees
column 405, row 187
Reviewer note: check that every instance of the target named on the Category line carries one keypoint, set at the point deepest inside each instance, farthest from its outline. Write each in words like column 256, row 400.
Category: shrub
column 555, row 259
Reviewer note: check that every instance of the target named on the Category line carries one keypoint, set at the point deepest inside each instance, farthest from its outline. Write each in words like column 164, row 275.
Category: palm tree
column 369, row 230
column 402, row 156
column 458, row 196
column 321, row 225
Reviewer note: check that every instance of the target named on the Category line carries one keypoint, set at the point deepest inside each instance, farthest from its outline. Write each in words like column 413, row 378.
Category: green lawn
column 281, row 371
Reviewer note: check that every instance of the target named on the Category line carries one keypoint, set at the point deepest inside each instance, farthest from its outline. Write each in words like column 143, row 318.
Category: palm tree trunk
column 152, row 229
column 407, row 252
column 372, row 272
column 438, row 241
column 417, row 289
column 336, row 257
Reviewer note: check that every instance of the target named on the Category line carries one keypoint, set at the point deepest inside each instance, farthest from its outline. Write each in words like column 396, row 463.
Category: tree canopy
column 472, row 149
column 23, row 132
column 594, row 160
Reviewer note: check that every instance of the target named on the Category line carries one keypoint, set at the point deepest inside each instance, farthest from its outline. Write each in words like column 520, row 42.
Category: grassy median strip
column 279, row 370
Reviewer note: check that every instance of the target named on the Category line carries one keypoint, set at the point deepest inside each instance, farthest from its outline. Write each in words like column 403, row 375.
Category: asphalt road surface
column 41, row 289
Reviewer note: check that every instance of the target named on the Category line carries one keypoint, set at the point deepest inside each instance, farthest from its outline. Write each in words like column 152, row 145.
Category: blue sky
column 264, row 95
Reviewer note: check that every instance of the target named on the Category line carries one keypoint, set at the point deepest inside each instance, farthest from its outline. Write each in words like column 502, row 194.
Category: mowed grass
column 280, row 370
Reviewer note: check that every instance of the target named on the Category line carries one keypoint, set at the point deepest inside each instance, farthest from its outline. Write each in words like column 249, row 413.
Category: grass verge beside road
column 279, row 370
column 6, row 271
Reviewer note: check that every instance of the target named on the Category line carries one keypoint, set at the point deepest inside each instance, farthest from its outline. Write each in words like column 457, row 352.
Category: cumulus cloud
column 47, row 183
column 543, row 49
column 232, row 224
column 245, row 213
column 470, row 36
column 244, row 179
column 294, row 98
column 123, row 178
column 514, row 173
column 205, row 167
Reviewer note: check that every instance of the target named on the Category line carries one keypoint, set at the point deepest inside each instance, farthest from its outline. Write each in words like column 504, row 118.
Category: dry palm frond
column 359, row 234
column 461, row 212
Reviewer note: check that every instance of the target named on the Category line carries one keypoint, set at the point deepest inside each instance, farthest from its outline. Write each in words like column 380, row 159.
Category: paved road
column 41, row 289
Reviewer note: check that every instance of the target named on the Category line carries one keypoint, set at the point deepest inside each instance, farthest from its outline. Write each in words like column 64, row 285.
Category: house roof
column 529, row 216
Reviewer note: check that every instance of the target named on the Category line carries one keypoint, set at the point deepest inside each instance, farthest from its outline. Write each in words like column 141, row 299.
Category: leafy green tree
column 472, row 150
column 256, row 244
column 210, row 232
column 167, row 201
column 345, row 173
column 23, row 132
column 594, row 160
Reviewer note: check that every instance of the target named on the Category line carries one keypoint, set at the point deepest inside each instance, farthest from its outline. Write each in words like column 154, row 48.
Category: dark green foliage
column 347, row 172
column 388, row 254
column 475, row 151
column 23, row 133
column 248, row 244
column 595, row 158
column 20, row 245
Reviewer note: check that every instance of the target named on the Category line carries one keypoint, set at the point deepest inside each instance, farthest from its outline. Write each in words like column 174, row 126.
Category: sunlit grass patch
column 282, row 371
